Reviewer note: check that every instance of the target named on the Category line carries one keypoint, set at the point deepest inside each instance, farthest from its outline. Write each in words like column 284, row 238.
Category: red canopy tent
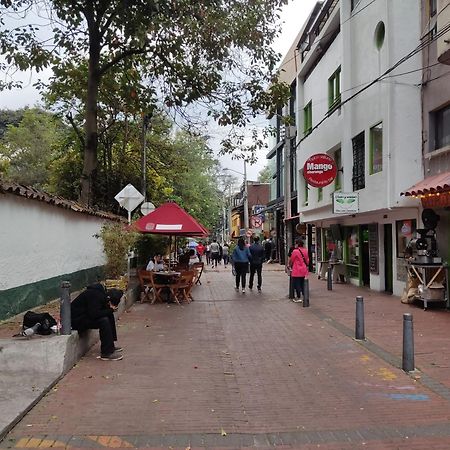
column 170, row 219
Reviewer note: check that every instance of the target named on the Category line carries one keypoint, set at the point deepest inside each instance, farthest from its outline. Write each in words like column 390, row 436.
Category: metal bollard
column 330, row 278
column 359, row 323
column 291, row 287
column 306, row 293
column 66, row 327
column 408, row 343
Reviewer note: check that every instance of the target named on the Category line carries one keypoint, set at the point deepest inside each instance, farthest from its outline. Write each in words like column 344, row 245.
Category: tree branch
column 77, row 130
column 132, row 51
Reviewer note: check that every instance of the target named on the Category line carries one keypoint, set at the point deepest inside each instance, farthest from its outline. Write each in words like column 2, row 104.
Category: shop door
column 365, row 261
column 388, row 272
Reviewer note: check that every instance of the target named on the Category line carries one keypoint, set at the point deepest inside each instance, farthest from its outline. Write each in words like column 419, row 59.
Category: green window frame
column 338, row 161
column 334, row 89
column 307, row 118
column 376, row 149
column 319, row 194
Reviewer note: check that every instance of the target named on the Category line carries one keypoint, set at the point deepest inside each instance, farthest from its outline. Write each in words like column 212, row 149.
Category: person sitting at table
column 193, row 258
column 155, row 264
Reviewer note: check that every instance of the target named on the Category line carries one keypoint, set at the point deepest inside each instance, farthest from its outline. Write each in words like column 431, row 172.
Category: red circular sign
column 319, row 170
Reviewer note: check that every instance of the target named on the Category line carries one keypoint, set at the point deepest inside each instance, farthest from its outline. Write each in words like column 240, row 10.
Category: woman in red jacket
column 298, row 263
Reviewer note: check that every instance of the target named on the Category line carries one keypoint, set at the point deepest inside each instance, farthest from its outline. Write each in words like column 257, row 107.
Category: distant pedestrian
column 208, row 253
column 215, row 253
column 268, row 249
column 240, row 259
column 256, row 263
column 200, row 251
column 226, row 254
column 298, row 263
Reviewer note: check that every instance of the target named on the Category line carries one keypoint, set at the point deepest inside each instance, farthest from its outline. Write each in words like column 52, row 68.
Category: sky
column 292, row 18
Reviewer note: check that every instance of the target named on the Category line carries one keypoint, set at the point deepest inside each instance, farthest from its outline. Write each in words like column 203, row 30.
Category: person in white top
column 156, row 264
column 193, row 258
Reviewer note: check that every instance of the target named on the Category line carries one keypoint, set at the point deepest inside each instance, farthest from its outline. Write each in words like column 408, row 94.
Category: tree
column 30, row 147
column 265, row 175
column 177, row 52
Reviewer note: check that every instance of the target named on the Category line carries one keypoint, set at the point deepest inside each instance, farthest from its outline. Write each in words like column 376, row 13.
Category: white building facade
column 353, row 104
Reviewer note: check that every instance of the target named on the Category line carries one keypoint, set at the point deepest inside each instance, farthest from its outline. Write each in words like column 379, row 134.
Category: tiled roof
column 430, row 185
column 7, row 187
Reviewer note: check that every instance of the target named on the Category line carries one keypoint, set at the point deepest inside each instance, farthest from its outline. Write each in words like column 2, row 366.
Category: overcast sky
column 293, row 16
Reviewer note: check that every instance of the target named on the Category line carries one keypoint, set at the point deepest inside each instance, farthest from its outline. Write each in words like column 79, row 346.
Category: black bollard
column 408, row 343
column 306, row 293
column 359, row 323
column 66, row 327
column 330, row 278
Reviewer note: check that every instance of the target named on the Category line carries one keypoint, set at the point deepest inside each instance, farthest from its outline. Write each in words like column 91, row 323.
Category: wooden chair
column 147, row 280
column 198, row 267
column 181, row 290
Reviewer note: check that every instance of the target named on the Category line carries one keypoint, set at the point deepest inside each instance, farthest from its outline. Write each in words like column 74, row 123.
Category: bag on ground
column 31, row 318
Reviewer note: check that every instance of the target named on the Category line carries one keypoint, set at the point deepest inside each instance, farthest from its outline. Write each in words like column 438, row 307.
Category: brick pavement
column 255, row 371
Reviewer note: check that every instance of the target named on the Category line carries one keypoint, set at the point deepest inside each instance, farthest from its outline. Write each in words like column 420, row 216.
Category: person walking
column 268, row 249
column 256, row 263
column 298, row 263
column 240, row 259
column 225, row 253
column 215, row 252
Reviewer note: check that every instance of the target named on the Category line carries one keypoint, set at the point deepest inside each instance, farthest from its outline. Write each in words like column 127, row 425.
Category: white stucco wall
column 39, row 241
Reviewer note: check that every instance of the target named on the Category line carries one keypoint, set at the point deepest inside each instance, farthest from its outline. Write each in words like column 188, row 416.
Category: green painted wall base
column 22, row 298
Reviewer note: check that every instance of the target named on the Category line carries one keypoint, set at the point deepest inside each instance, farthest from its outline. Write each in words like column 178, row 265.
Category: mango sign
column 319, row 170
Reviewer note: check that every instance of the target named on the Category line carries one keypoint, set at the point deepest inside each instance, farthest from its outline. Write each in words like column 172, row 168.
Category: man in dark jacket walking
column 94, row 309
column 256, row 263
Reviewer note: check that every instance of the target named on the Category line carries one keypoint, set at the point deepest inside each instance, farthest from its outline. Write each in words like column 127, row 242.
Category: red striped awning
column 431, row 185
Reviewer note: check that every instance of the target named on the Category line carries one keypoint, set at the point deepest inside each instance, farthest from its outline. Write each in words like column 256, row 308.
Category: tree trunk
column 88, row 176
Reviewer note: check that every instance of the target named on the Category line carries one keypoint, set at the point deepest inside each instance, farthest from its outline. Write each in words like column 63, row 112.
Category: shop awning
column 430, row 185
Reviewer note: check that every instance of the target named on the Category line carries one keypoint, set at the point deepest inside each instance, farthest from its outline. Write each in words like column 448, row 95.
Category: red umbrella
column 170, row 219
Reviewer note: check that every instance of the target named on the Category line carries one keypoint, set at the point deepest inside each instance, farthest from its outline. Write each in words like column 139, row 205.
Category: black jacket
column 257, row 252
column 91, row 304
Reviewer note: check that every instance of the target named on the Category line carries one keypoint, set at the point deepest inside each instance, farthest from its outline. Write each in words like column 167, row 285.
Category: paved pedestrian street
column 255, row 370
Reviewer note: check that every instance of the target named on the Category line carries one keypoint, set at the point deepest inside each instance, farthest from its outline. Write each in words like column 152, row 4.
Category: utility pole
column 246, row 222
column 145, row 125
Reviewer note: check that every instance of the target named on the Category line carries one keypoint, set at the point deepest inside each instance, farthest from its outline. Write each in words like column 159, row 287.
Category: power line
column 413, row 52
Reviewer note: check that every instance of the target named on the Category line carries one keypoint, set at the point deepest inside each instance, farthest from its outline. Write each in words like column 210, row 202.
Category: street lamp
column 246, row 223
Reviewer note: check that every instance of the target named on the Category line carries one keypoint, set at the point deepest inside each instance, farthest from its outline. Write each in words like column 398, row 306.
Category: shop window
column 358, row 178
column 307, row 118
column 376, row 149
column 353, row 246
column 334, row 89
column 405, row 231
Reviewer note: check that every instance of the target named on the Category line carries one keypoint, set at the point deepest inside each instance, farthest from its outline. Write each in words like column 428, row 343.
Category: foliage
column 265, row 175
column 173, row 52
column 29, row 147
column 117, row 240
column 9, row 117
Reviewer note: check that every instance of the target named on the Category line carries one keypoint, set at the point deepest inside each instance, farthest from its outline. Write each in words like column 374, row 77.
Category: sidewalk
column 234, row 370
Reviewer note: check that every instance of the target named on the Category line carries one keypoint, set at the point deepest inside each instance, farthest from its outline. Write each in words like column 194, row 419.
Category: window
column 334, row 89
column 353, row 4
column 319, row 194
column 293, row 165
column 441, row 121
column 376, row 149
column 406, row 230
column 338, row 161
column 358, row 178
column 307, row 118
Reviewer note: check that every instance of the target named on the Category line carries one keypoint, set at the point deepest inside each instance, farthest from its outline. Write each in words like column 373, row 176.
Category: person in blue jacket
column 241, row 258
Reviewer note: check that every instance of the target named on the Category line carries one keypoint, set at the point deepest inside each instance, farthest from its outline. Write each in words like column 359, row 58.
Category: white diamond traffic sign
column 129, row 198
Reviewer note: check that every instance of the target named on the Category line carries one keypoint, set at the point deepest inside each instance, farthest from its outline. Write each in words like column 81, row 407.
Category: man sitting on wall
column 93, row 309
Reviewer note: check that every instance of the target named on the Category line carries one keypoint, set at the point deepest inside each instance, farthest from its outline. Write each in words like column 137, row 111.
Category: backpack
column 45, row 319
